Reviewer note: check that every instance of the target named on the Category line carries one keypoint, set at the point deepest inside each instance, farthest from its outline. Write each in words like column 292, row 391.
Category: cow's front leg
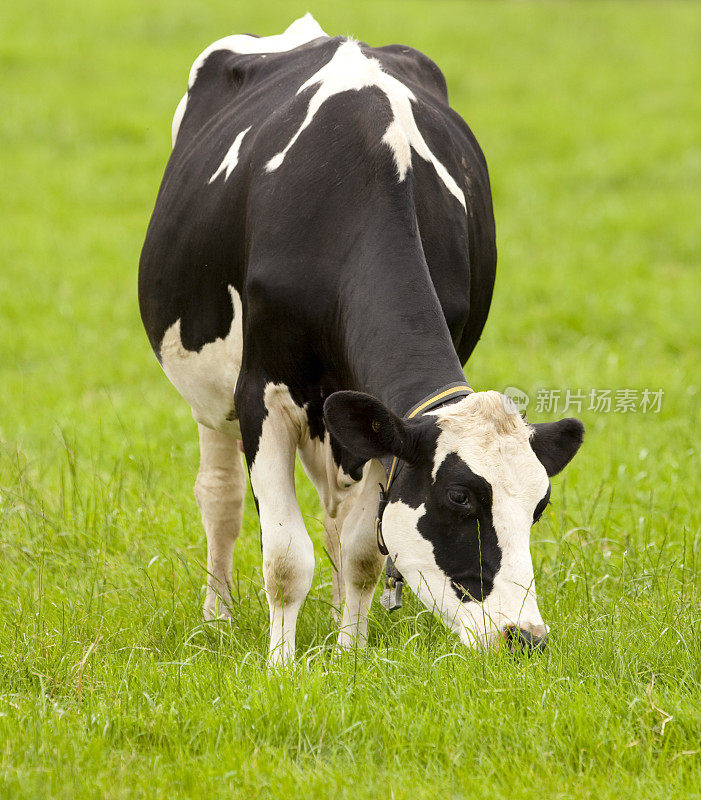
column 288, row 554
column 220, row 489
column 361, row 561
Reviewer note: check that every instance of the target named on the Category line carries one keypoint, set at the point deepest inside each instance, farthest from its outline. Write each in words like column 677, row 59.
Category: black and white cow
column 321, row 260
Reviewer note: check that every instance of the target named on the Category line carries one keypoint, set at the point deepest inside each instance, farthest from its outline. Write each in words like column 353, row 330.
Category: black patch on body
column 349, row 278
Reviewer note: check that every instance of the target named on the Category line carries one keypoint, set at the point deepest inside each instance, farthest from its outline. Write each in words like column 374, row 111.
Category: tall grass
column 110, row 684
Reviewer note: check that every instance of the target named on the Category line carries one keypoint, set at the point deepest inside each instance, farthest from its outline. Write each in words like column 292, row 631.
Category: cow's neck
column 414, row 367
column 397, row 337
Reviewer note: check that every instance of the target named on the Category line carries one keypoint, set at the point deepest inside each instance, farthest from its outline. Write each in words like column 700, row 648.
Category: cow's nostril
column 523, row 639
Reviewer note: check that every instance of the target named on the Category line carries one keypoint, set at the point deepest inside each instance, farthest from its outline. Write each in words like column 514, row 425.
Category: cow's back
column 273, row 176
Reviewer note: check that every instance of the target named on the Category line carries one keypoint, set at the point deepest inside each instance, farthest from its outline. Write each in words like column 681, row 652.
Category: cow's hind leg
column 220, row 489
column 288, row 554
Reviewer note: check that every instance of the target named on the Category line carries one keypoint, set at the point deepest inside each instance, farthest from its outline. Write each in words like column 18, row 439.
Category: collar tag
column 394, row 583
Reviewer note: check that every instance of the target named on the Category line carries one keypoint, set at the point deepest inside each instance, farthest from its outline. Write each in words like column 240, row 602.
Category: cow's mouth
column 525, row 638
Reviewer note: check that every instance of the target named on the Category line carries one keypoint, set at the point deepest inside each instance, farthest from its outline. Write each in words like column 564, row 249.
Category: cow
column 318, row 267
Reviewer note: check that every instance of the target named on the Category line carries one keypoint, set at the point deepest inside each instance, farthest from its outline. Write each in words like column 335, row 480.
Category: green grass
column 590, row 116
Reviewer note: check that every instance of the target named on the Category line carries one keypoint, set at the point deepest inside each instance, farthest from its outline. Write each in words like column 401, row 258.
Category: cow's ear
column 555, row 443
column 366, row 427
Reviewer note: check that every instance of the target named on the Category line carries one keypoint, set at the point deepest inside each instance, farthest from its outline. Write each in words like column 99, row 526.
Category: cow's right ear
column 366, row 427
column 555, row 443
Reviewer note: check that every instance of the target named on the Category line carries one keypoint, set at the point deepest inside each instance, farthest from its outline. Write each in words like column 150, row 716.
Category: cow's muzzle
column 528, row 638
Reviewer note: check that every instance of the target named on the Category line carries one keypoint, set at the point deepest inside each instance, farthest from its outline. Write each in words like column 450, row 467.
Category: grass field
column 110, row 686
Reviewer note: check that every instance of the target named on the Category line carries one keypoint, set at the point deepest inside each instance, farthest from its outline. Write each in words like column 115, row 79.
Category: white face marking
column 207, row 379
column 349, row 70
column 495, row 445
column 302, row 30
column 231, row 159
column 474, row 622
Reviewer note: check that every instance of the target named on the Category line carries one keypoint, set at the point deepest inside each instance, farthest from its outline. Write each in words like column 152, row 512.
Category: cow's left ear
column 367, row 428
column 556, row 443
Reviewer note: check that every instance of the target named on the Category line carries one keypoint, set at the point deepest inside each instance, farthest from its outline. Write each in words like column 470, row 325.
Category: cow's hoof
column 216, row 614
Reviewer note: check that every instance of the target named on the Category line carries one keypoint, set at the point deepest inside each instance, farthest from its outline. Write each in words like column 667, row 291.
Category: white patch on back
column 347, row 70
column 350, row 69
column 178, row 118
column 301, row 31
column 207, row 379
column 231, row 159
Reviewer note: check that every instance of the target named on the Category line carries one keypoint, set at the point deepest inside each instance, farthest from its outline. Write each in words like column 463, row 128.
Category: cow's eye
column 460, row 497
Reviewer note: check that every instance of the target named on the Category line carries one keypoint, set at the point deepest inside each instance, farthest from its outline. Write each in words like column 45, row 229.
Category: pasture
column 110, row 685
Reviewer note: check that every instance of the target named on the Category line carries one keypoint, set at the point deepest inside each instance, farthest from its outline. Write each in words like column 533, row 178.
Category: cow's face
column 473, row 480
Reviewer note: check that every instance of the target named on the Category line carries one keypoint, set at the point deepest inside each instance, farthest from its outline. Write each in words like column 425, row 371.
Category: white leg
column 220, row 489
column 362, row 563
column 288, row 554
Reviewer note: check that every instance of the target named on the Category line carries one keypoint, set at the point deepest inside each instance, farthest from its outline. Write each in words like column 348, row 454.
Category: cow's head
column 474, row 479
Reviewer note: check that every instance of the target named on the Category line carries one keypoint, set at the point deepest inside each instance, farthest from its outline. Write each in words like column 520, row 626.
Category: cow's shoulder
column 300, row 33
column 413, row 67
column 249, row 84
